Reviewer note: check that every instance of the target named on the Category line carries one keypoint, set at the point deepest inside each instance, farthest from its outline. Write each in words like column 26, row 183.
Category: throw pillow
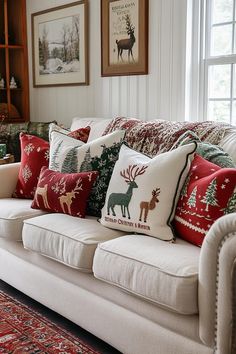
column 208, row 151
column 14, row 130
column 34, row 155
column 60, row 143
column 40, row 129
column 78, row 134
column 143, row 192
column 209, row 192
column 63, row 192
column 98, row 155
column 53, row 127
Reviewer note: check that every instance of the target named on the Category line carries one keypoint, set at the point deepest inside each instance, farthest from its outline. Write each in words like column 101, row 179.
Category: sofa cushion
column 12, row 214
column 162, row 272
column 66, row 239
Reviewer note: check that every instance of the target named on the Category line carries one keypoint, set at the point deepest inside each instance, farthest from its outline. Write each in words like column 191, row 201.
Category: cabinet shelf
column 11, row 46
column 14, row 60
column 11, row 89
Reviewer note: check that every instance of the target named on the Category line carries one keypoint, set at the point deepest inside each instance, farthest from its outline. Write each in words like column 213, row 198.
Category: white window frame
column 198, row 54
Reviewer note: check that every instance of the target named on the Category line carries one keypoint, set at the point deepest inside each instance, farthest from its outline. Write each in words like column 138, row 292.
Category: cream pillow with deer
column 143, row 192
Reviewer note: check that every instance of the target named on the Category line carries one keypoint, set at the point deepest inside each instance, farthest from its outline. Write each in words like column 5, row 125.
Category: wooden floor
column 85, row 336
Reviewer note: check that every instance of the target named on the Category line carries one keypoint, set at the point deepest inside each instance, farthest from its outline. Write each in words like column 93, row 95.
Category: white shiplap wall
column 161, row 94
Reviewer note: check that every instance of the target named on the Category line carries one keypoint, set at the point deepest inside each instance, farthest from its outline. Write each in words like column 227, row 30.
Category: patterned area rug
column 24, row 331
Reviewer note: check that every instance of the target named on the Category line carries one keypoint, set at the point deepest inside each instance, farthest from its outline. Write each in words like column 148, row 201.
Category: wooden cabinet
column 14, row 101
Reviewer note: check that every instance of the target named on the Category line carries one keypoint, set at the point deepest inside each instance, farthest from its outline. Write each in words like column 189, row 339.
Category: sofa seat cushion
column 12, row 214
column 69, row 240
column 161, row 272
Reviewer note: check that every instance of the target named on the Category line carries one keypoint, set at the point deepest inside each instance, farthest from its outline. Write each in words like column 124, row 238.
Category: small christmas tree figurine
column 13, row 83
column 210, row 196
column 192, row 199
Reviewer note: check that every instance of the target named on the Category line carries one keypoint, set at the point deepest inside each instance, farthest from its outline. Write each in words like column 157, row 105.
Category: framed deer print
column 124, row 47
column 60, row 45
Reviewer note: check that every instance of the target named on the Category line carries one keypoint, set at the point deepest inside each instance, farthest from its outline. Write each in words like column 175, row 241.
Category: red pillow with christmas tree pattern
column 65, row 193
column 34, row 155
column 209, row 192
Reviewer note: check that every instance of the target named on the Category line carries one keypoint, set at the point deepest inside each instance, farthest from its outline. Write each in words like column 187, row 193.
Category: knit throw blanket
column 154, row 137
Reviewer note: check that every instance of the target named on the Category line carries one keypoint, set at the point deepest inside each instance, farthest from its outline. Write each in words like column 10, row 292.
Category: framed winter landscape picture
column 60, row 45
column 124, row 27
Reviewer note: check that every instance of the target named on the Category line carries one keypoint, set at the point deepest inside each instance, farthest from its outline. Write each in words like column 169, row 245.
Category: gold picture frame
column 124, row 37
column 60, row 45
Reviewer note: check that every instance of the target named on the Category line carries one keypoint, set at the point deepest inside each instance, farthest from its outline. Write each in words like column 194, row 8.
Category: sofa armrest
column 8, row 179
column 217, row 296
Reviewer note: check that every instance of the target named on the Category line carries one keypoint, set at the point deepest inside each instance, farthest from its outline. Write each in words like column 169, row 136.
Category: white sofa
column 139, row 294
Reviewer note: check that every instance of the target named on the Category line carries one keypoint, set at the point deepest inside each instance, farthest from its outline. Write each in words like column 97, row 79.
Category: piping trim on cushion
column 193, row 275
column 224, row 239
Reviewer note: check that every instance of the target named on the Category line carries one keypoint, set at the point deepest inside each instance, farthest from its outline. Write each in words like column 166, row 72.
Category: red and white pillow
column 81, row 134
column 34, row 155
column 209, row 192
column 63, row 192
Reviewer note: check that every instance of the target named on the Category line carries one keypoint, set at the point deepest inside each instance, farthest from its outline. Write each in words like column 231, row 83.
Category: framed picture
column 124, row 28
column 60, row 45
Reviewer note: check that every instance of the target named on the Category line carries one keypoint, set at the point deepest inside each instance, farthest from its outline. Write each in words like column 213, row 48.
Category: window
column 220, row 61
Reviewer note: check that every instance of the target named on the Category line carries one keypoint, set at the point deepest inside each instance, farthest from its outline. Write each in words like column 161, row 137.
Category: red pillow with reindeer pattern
column 65, row 193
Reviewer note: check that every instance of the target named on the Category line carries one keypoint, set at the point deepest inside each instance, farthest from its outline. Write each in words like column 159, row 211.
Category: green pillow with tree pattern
column 208, row 151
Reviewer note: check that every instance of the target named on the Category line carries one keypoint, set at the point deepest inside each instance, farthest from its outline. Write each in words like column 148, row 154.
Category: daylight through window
column 220, row 60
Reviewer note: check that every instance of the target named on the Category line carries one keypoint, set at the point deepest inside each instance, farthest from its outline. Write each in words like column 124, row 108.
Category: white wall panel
column 161, row 94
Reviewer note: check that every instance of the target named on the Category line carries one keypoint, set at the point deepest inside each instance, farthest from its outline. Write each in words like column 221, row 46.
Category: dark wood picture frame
column 124, row 37
column 60, row 45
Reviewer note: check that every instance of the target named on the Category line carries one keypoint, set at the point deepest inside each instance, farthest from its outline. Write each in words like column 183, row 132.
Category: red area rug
column 24, row 331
